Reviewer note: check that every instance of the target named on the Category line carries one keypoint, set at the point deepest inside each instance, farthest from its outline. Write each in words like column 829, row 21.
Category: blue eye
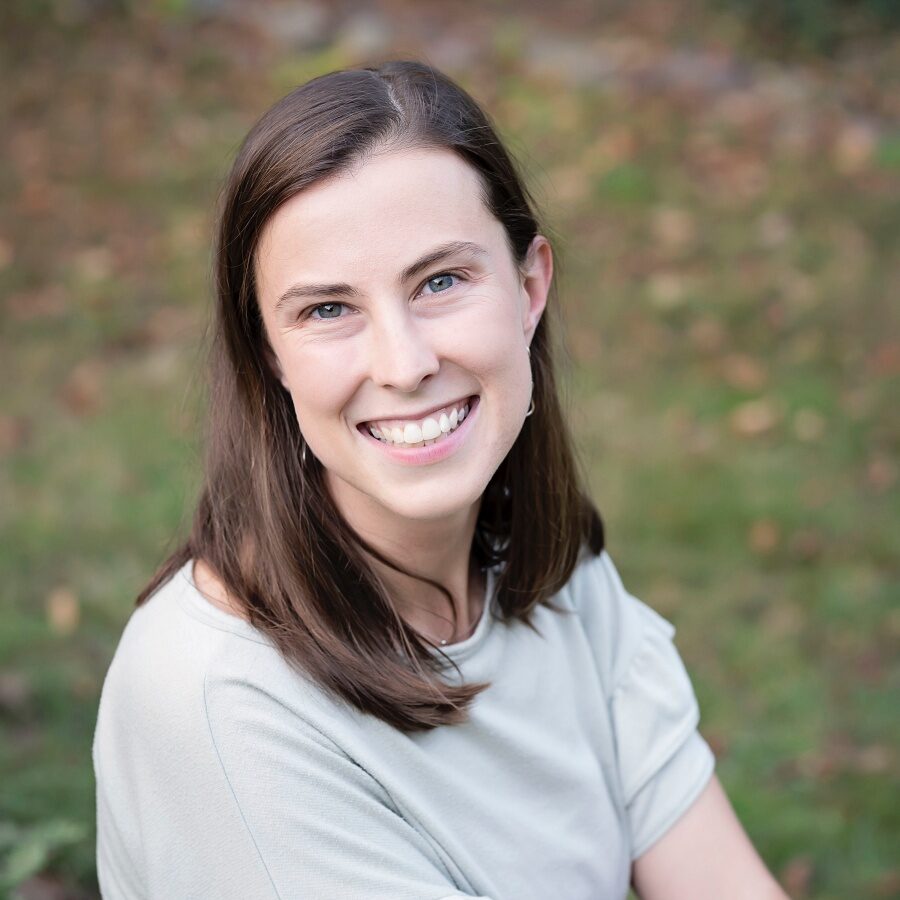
column 328, row 306
column 443, row 276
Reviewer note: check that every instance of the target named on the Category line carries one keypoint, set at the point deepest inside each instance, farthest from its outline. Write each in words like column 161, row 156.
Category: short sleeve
column 663, row 760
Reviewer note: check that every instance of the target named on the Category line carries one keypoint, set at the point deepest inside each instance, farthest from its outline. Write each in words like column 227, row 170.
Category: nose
column 402, row 353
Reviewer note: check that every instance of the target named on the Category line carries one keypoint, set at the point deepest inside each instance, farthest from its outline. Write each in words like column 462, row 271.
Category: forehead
column 376, row 218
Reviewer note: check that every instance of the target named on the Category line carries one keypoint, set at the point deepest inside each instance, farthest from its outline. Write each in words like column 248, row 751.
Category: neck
column 440, row 549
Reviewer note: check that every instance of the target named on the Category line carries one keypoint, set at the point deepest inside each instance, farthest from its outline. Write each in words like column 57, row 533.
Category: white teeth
column 424, row 433
column 430, row 429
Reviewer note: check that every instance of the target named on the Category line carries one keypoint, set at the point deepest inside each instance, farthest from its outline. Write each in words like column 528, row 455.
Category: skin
column 397, row 348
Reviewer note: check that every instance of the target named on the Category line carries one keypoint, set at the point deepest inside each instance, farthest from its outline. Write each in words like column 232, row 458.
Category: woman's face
column 368, row 331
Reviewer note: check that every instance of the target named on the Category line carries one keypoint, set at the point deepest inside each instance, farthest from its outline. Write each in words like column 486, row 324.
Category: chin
column 427, row 505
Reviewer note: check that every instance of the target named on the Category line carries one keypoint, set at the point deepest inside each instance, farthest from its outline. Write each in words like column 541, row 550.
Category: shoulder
column 170, row 646
column 618, row 624
column 183, row 663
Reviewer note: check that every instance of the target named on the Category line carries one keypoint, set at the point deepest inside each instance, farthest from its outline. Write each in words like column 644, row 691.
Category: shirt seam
column 686, row 802
column 232, row 791
column 335, row 748
column 661, row 757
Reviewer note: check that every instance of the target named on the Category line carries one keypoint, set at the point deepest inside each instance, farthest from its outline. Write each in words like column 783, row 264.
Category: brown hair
column 264, row 521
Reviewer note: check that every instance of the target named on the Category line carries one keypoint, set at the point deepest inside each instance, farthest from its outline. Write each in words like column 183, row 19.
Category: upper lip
column 461, row 401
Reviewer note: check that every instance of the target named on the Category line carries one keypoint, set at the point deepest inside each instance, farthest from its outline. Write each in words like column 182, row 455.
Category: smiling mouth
column 431, row 429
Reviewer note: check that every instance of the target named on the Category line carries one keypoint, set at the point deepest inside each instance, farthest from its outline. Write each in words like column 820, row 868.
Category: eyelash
column 307, row 313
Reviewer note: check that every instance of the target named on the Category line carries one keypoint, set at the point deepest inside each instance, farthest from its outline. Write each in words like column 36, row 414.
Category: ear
column 536, row 283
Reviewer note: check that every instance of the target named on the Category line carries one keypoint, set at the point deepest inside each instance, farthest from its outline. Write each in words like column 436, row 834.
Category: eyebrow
column 441, row 252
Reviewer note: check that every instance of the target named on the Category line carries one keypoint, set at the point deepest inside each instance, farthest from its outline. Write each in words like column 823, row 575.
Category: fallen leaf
column 15, row 691
column 854, row 148
column 764, row 536
column 774, row 229
column 888, row 884
column 14, row 433
column 675, row 229
column 796, row 876
column 94, row 264
column 707, row 334
column 753, row 418
column 83, row 391
column 885, row 361
column 743, row 372
column 881, row 473
column 667, row 290
column 806, row 544
column 63, row 610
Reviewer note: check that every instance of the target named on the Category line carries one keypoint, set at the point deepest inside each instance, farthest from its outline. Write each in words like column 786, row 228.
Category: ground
column 726, row 228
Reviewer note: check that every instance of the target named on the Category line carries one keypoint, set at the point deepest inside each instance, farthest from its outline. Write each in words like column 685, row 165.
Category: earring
column 531, row 406
column 303, row 455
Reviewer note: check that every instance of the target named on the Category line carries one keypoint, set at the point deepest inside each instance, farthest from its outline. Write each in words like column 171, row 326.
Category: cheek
column 319, row 384
column 496, row 353
column 490, row 335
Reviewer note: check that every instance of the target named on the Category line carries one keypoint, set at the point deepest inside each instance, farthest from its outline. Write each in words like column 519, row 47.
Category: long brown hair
column 265, row 522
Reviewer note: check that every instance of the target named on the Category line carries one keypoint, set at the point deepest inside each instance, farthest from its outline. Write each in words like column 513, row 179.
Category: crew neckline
column 469, row 645
column 194, row 602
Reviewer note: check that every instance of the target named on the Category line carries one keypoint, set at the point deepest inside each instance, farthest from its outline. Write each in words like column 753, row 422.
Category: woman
column 393, row 659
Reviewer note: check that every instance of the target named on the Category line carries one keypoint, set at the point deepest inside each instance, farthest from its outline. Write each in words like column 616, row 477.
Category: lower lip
column 431, row 453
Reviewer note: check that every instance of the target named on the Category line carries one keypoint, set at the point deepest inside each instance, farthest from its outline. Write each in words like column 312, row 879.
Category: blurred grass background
column 723, row 191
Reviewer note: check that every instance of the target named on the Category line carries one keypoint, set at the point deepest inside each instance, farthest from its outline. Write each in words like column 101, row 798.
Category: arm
column 706, row 855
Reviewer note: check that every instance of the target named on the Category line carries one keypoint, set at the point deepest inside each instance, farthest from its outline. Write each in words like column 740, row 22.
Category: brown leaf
column 675, row 229
column 707, row 334
column 753, row 418
column 881, row 473
column 854, row 148
column 774, row 229
column 885, row 361
column 765, row 535
column 796, row 876
column 44, row 302
column 14, row 433
column 806, row 544
column 63, row 610
column 15, row 691
column 94, row 264
column 888, row 884
column 83, row 391
column 667, row 290
column 743, row 372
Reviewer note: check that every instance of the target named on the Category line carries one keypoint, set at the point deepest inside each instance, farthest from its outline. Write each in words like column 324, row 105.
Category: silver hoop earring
column 531, row 406
column 303, row 455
